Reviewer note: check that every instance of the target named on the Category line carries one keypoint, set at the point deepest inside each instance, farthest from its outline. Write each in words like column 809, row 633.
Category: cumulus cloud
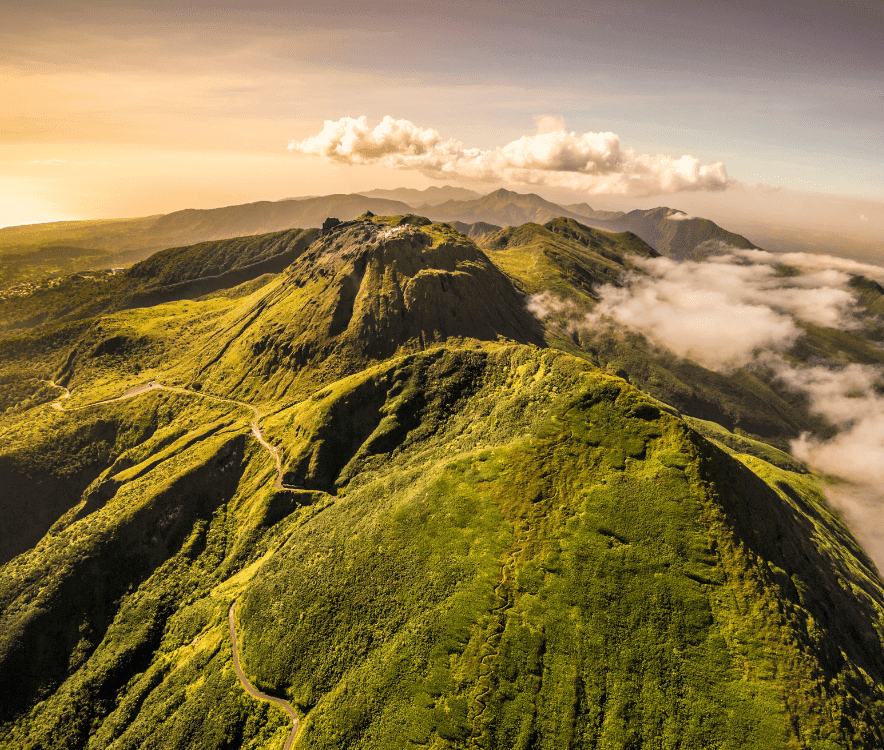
column 811, row 261
column 553, row 157
column 722, row 311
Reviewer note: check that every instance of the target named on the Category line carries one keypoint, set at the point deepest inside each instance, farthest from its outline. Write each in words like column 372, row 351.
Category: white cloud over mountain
column 554, row 157
column 721, row 311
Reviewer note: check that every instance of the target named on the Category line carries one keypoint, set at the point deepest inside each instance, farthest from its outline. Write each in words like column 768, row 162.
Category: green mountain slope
column 568, row 260
column 368, row 290
column 176, row 273
column 479, row 540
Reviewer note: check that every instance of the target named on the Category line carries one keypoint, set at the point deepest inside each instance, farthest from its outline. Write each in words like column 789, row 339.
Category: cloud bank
column 590, row 162
column 849, row 397
column 720, row 312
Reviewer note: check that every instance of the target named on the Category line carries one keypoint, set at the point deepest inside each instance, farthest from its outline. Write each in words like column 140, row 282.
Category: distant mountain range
column 431, row 196
column 124, row 241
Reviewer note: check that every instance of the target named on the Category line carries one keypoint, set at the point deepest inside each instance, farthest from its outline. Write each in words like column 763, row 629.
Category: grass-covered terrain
column 177, row 273
column 494, row 543
column 568, row 261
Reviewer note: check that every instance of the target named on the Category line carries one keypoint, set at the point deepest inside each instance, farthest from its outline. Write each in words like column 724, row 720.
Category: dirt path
column 67, row 394
column 285, row 705
column 153, row 385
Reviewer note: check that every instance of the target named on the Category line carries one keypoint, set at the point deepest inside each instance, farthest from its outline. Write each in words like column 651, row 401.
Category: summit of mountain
column 363, row 292
column 502, row 207
column 675, row 234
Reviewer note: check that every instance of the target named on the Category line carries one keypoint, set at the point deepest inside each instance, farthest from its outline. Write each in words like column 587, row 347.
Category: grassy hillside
column 568, row 260
column 368, row 290
column 483, row 540
column 176, row 273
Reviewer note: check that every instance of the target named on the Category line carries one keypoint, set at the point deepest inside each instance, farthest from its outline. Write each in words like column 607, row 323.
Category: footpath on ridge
column 284, row 704
column 153, row 385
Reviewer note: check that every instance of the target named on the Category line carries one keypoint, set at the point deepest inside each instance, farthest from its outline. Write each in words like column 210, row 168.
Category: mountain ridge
column 121, row 242
column 494, row 542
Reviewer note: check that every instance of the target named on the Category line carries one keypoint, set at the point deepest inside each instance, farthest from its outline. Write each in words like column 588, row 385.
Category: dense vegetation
column 570, row 260
column 493, row 542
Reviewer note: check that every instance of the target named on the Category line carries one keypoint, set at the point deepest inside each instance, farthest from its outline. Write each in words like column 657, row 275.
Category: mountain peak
column 366, row 290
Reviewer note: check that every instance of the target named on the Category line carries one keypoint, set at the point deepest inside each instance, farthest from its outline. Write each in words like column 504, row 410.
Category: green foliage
column 20, row 272
column 492, row 544
column 176, row 273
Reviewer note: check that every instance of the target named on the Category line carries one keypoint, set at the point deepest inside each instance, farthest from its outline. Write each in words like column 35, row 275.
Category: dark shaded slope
column 114, row 541
column 42, row 480
column 367, row 290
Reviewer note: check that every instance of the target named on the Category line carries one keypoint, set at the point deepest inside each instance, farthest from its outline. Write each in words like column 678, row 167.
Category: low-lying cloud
column 720, row 312
column 850, row 398
column 742, row 307
column 553, row 157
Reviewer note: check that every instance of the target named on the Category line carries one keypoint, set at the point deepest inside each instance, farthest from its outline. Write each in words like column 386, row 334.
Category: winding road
column 153, row 385
column 285, row 705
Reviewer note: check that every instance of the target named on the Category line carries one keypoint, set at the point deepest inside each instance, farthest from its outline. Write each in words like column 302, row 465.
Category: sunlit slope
column 558, row 561
column 490, row 542
column 563, row 256
column 362, row 293
column 177, row 273
column 497, row 545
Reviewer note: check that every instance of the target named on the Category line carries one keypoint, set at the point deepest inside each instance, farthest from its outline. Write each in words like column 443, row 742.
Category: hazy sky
column 124, row 109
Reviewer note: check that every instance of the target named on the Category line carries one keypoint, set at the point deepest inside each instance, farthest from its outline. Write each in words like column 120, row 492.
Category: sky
column 131, row 109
